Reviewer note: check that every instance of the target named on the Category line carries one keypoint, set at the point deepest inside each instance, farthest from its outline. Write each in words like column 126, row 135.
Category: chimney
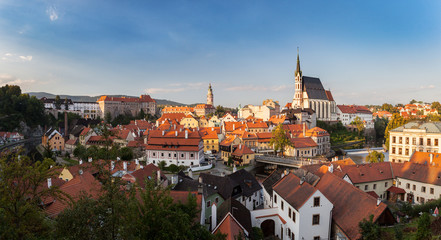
column 212, row 129
column 190, row 173
column 378, row 201
column 49, row 183
column 331, row 168
column 158, row 176
column 176, row 133
column 213, row 216
column 234, row 126
column 80, row 171
column 234, row 168
column 222, row 174
column 89, row 159
column 65, row 124
column 125, row 165
column 200, row 180
column 200, row 189
column 81, row 162
column 240, row 146
column 136, row 162
column 286, row 172
column 186, row 134
column 304, row 129
column 163, row 132
column 302, row 180
column 173, row 179
column 112, row 165
column 431, row 158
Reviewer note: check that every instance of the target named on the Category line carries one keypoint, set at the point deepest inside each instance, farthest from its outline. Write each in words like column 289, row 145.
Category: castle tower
column 210, row 95
column 297, row 101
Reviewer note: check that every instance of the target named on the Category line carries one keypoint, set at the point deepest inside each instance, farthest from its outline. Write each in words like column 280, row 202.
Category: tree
column 80, row 152
column 387, row 107
column 413, row 101
column 395, row 122
column 161, row 165
column 126, row 153
column 423, row 230
column 369, row 230
column 57, row 102
column 21, row 193
column 437, row 106
column 374, row 157
column 280, row 139
column 220, row 111
column 358, row 123
column 66, row 104
column 380, row 126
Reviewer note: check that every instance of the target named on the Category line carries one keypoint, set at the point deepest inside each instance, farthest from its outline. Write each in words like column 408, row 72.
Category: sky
column 365, row 52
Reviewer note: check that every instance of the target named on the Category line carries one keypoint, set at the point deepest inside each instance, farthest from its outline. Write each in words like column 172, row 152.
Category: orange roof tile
column 230, row 226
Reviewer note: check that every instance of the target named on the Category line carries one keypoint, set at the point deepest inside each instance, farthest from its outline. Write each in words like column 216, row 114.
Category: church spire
column 298, row 64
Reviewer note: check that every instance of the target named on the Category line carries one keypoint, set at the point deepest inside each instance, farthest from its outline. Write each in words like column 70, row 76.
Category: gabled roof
column 142, row 174
column 231, row 126
column 82, row 183
column 329, row 95
column 272, row 179
column 242, row 150
column 351, row 205
column 238, row 210
column 354, row 109
column 247, row 182
column 294, row 191
column 230, row 226
column 429, row 127
column 303, row 142
column 314, row 88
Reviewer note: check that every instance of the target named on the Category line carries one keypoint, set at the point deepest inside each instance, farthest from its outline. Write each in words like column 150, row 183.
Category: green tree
column 423, row 230
column 369, row 230
column 141, row 115
column 437, row 106
column 57, row 102
column 220, row 111
column 126, row 153
column 66, row 104
column 413, row 101
column 374, row 157
column 21, row 193
column 80, row 152
column 161, row 165
column 280, row 139
column 358, row 123
column 395, row 122
column 387, row 107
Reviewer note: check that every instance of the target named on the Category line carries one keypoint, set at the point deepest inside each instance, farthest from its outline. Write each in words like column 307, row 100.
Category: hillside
column 94, row 98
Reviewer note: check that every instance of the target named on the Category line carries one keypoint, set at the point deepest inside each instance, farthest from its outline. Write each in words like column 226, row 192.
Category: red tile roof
column 139, row 176
column 303, row 142
column 230, row 226
column 329, row 95
column 85, row 131
column 173, row 140
column 424, row 158
column 171, row 116
column 353, row 109
column 231, row 126
column 242, row 150
column 74, row 188
column 396, row 190
column 142, row 98
column 351, row 205
column 293, row 191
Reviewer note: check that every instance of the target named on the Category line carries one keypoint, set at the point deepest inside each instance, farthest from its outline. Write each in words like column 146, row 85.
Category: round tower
column 210, row 95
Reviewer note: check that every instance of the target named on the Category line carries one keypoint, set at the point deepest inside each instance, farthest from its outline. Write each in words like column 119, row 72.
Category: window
column 385, row 184
column 169, row 155
column 162, row 154
column 414, row 141
column 407, row 152
column 401, row 140
column 317, row 202
column 289, row 212
column 316, row 219
column 407, row 140
column 393, row 139
column 431, row 191
column 393, row 150
column 400, row 151
column 293, row 216
column 423, row 189
column 366, row 187
column 317, row 238
column 414, row 187
column 375, row 186
column 429, row 142
column 275, row 198
column 407, row 185
column 208, row 204
column 281, row 204
column 436, row 142
column 192, row 155
column 182, row 155
column 421, row 141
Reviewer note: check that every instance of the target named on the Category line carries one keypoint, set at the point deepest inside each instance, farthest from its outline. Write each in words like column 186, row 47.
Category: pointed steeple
column 298, row 64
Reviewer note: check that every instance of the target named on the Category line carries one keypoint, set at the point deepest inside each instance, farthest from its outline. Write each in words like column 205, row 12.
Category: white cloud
column 177, row 87
column 427, row 87
column 10, row 57
column 258, row 88
column 11, row 80
column 51, row 11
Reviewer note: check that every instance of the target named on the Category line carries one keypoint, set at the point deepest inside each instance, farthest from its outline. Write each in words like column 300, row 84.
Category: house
column 214, row 121
column 298, row 211
column 302, row 147
column 227, row 146
column 53, row 139
column 204, row 109
column 177, row 117
column 122, row 105
column 347, row 114
column 240, row 185
column 84, row 183
column 189, row 122
column 144, row 173
column 233, row 219
column 263, row 141
column 85, row 134
column 414, row 136
column 211, row 139
column 175, row 147
column 243, row 155
column 176, row 109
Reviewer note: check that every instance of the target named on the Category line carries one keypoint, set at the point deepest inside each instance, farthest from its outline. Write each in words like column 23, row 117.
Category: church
column 309, row 93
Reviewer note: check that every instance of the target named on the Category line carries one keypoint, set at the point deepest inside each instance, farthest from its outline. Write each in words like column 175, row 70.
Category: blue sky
column 366, row 52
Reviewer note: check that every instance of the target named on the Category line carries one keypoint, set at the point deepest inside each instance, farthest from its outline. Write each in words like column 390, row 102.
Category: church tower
column 210, row 95
column 297, row 101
